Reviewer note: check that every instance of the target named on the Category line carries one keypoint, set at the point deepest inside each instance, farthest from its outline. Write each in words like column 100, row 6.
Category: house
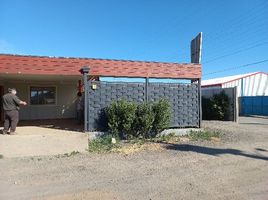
column 251, row 88
column 50, row 84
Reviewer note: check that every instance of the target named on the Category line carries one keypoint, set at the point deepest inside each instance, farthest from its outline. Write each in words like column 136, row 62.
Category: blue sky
column 235, row 33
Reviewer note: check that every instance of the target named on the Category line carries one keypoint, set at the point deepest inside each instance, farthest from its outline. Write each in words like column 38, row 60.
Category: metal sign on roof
column 196, row 47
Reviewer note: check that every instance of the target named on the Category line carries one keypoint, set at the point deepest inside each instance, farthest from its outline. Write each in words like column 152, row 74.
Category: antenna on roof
column 196, row 48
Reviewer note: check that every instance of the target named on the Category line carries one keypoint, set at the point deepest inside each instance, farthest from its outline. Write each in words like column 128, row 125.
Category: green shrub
column 143, row 120
column 216, row 107
column 128, row 120
column 162, row 116
column 121, row 115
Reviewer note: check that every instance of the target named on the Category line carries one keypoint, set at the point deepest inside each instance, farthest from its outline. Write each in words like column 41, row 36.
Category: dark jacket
column 11, row 102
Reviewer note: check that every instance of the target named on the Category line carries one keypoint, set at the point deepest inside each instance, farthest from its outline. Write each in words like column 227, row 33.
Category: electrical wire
column 237, row 67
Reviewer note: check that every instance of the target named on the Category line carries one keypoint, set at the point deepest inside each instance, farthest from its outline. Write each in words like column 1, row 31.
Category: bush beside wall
column 216, row 107
column 129, row 120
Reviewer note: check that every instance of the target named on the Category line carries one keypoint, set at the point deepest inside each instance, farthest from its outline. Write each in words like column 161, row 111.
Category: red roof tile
column 14, row 64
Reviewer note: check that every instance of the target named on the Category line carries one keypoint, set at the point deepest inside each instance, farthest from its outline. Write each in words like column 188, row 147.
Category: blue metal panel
column 265, row 105
column 257, row 105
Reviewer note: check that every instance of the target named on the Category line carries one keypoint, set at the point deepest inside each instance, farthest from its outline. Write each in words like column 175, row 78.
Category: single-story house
column 50, row 84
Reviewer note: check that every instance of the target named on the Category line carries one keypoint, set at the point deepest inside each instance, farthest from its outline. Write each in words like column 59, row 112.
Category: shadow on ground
column 262, row 124
column 60, row 124
column 213, row 151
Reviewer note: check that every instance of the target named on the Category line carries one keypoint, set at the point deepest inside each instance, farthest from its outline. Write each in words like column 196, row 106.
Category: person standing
column 11, row 105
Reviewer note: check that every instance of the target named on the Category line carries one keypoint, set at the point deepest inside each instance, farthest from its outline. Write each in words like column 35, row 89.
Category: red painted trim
column 235, row 79
column 242, row 77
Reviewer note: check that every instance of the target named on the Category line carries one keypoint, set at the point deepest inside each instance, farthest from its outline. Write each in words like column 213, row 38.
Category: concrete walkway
column 38, row 141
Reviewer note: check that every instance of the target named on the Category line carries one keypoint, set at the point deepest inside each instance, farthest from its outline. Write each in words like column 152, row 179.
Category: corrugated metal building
column 252, row 91
column 252, row 84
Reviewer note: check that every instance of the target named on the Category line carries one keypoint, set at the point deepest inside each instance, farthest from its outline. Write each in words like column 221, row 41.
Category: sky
column 235, row 32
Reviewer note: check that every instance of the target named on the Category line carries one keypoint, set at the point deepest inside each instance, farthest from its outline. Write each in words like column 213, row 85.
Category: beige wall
column 65, row 99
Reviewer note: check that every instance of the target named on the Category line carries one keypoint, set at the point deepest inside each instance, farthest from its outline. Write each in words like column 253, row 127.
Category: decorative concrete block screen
column 183, row 98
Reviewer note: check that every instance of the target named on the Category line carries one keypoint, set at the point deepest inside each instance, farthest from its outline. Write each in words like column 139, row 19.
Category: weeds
column 166, row 137
column 137, row 141
column 73, row 153
column 203, row 135
column 101, row 144
column 104, row 143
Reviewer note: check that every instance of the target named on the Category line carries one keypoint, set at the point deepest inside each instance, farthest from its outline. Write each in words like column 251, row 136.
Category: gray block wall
column 183, row 98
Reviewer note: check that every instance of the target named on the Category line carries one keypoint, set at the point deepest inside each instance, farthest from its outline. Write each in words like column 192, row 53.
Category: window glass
column 43, row 95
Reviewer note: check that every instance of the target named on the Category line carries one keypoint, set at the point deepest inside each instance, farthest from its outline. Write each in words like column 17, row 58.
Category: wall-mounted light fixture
column 94, row 86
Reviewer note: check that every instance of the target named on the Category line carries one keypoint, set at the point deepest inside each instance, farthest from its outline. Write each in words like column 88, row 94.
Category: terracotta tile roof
column 14, row 64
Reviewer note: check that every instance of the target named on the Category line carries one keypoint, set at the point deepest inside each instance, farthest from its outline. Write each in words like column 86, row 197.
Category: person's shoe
column 4, row 132
column 13, row 133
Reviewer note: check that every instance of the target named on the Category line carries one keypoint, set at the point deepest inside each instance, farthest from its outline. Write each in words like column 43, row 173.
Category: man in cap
column 11, row 105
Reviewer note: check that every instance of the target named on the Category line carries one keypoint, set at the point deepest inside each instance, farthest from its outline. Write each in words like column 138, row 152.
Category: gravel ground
column 236, row 168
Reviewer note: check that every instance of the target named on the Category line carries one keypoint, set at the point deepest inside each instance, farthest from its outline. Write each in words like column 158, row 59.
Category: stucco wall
column 65, row 100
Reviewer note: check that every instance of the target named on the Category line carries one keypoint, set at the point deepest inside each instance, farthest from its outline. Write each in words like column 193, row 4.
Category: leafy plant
column 143, row 120
column 121, row 115
column 128, row 120
column 162, row 116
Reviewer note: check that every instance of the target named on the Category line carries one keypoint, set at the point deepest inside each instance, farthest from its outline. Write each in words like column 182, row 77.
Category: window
column 42, row 95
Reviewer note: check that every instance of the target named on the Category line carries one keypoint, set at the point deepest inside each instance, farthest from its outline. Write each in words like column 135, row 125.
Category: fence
column 254, row 105
column 232, row 95
column 183, row 98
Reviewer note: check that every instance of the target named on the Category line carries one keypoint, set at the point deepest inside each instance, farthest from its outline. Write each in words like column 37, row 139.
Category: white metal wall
column 254, row 85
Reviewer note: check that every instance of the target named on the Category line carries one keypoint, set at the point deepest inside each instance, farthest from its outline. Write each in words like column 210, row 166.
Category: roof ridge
column 87, row 58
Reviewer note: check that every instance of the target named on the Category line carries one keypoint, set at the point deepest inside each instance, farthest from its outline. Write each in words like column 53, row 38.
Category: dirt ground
column 235, row 168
